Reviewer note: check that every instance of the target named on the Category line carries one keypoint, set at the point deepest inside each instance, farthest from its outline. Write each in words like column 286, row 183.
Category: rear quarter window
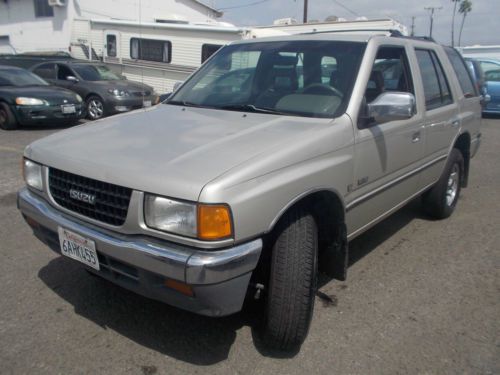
column 463, row 74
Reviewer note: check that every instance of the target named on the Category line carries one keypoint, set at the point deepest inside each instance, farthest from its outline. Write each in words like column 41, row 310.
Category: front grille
column 141, row 93
column 111, row 201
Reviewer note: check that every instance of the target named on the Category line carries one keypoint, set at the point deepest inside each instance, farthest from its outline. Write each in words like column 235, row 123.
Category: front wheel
column 7, row 119
column 95, row 107
column 293, row 281
column 441, row 199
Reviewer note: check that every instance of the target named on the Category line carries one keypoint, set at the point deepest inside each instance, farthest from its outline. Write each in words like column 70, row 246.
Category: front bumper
column 30, row 115
column 117, row 105
column 219, row 278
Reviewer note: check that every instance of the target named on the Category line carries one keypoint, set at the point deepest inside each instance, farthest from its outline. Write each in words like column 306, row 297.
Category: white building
column 35, row 25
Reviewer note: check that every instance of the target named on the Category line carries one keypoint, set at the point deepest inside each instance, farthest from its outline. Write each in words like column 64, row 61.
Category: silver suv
column 258, row 171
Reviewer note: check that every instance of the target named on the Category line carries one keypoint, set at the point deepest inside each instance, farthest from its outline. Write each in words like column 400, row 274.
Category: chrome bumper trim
column 179, row 262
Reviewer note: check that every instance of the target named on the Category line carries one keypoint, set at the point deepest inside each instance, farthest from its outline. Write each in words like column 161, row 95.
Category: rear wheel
column 95, row 107
column 441, row 199
column 293, row 281
column 7, row 119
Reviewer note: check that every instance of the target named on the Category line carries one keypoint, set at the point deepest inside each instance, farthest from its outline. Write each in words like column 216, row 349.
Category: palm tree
column 465, row 7
column 455, row 2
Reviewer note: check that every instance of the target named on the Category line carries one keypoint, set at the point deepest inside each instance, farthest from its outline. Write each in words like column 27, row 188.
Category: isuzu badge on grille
column 81, row 196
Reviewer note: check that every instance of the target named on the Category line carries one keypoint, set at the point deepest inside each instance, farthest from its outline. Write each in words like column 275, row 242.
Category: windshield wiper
column 186, row 104
column 252, row 108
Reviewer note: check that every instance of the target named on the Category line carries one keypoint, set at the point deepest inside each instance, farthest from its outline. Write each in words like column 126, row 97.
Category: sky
column 482, row 24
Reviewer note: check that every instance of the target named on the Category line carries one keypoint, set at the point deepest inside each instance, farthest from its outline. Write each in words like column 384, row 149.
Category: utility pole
column 432, row 9
column 305, row 11
column 412, row 26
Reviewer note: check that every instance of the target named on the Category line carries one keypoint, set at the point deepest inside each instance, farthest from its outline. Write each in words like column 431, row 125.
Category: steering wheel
column 322, row 89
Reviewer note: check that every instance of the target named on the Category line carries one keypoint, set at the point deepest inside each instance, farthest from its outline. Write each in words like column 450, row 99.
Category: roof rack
column 392, row 32
column 421, row 38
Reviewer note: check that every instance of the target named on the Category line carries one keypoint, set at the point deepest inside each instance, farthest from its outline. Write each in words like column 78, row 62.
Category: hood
column 123, row 85
column 168, row 150
column 54, row 95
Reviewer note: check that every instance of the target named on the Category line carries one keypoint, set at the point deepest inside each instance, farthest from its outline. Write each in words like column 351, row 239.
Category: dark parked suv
column 105, row 93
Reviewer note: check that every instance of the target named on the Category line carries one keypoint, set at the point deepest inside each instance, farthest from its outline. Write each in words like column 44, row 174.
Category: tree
column 455, row 2
column 465, row 7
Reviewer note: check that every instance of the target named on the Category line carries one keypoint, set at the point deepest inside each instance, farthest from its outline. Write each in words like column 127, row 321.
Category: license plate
column 77, row 247
column 147, row 103
column 68, row 108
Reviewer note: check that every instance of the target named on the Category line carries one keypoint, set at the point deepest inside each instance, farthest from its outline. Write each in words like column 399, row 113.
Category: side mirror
column 177, row 85
column 391, row 106
column 72, row 79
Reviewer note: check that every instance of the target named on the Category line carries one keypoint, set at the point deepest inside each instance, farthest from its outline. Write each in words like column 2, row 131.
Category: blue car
column 492, row 88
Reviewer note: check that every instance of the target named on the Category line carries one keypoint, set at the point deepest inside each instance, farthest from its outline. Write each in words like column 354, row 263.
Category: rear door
column 442, row 121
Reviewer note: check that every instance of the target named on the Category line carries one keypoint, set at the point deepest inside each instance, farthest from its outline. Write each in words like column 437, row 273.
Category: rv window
column 111, row 45
column 43, row 9
column 151, row 50
column 208, row 50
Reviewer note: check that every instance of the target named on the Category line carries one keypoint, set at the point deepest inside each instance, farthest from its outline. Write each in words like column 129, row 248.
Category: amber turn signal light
column 214, row 222
column 180, row 287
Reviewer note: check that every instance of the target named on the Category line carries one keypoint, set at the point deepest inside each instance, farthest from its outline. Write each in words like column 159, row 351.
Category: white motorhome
column 156, row 53
column 47, row 25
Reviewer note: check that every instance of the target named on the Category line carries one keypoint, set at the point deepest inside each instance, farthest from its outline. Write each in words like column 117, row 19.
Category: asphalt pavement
column 422, row 297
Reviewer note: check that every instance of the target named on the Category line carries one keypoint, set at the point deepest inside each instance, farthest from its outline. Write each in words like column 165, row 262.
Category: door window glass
column 436, row 88
column 63, row 72
column 111, row 45
column 47, row 71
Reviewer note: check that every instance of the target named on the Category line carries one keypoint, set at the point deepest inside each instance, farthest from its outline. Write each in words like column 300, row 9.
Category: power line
column 244, row 5
column 346, row 8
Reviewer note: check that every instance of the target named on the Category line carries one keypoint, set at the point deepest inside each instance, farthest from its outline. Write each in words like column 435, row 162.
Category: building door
column 112, row 46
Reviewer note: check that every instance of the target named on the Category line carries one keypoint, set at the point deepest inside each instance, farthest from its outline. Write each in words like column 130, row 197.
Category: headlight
column 78, row 98
column 170, row 216
column 202, row 221
column 32, row 174
column 30, row 101
column 119, row 93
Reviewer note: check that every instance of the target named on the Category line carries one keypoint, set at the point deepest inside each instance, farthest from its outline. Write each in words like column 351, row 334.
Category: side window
column 63, row 72
column 390, row 72
column 43, row 9
column 208, row 50
column 463, row 75
column 436, row 88
column 47, row 71
column 151, row 50
column 111, row 45
column 487, row 66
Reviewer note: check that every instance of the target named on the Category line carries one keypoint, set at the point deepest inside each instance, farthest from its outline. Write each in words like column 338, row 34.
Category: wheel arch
column 328, row 210
column 462, row 144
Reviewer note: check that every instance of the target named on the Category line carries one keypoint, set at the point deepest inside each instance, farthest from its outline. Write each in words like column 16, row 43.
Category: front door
column 387, row 155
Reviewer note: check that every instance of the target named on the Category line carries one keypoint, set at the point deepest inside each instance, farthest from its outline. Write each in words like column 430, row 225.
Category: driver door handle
column 415, row 137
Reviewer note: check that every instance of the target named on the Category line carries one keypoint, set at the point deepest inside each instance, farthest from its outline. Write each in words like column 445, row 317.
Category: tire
column 95, row 107
column 7, row 119
column 293, row 282
column 440, row 201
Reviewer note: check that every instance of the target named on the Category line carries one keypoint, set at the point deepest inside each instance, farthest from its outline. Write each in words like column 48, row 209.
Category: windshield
column 17, row 77
column 301, row 78
column 95, row 72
